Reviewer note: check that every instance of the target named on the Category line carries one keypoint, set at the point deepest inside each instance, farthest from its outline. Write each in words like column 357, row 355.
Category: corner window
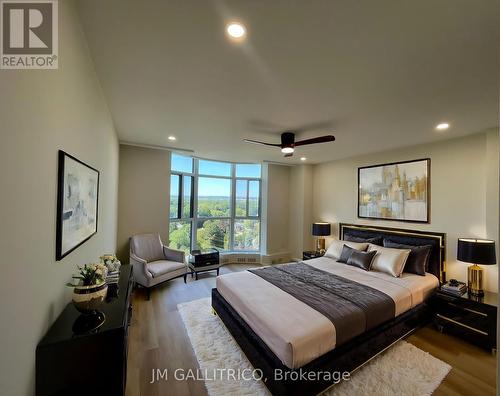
column 214, row 204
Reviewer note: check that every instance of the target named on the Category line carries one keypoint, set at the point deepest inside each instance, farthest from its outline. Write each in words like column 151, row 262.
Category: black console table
column 93, row 363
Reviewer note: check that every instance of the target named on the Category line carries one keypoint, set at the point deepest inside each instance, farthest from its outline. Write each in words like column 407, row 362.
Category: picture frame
column 77, row 204
column 396, row 191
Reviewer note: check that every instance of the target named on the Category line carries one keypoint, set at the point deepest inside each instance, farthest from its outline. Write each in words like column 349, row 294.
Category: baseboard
column 275, row 258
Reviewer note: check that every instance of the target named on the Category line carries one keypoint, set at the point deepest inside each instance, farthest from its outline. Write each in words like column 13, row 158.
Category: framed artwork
column 396, row 191
column 77, row 204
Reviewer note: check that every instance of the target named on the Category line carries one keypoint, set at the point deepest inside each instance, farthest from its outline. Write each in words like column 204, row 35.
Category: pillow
column 418, row 260
column 361, row 259
column 335, row 248
column 376, row 240
column 345, row 254
column 389, row 260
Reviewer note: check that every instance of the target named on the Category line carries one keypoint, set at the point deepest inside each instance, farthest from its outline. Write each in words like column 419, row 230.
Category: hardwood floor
column 158, row 340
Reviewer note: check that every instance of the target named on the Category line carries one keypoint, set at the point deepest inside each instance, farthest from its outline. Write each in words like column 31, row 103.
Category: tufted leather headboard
column 409, row 237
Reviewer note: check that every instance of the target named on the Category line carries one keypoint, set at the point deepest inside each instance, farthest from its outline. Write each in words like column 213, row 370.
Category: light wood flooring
column 158, row 339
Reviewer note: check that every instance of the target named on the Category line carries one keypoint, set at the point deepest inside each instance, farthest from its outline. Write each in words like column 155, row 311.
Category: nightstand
column 309, row 254
column 472, row 318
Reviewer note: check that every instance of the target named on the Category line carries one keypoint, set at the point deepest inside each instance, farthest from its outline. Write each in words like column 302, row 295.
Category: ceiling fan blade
column 261, row 143
column 288, row 155
column 320, row 139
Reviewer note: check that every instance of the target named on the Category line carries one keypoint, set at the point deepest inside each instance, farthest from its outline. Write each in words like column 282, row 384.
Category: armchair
column 153, row 262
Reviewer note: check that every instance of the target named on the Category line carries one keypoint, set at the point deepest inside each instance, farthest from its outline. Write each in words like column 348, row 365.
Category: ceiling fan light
column 287, row 150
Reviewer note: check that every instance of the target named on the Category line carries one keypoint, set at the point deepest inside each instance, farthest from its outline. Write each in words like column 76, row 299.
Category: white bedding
column 295, row 332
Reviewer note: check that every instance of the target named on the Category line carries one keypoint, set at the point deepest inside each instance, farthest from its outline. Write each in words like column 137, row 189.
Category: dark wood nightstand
column 309, row 254
column 472, row 318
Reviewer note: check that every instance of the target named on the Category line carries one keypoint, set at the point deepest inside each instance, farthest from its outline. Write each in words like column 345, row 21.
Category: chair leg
column 148, row 293
column 196, row 275
column 217, row 272
column 185, row 278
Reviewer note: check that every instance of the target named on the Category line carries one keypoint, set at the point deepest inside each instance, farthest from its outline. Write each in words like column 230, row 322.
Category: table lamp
column 321, row 230
column 476, row 251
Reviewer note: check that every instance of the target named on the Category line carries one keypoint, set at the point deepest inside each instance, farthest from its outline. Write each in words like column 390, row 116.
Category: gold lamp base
column 475, row 280
column 320, row 245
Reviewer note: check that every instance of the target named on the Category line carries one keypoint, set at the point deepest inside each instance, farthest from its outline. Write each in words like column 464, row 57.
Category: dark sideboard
column 93, row 363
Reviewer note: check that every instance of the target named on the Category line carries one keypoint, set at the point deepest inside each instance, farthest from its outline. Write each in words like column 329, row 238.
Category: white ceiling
column 382, row 72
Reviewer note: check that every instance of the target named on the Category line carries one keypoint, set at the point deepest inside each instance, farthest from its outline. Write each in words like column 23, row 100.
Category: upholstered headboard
column 409, row 237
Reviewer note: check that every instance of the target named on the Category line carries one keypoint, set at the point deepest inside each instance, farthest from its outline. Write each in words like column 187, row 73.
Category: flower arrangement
column 111, row 262
column 90, row 274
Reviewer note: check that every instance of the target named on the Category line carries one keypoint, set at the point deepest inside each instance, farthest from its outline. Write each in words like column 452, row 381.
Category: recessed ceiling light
column 287, row 150
column 172, row 138
column 303, row 158
column 442, row 126
column 236, row 30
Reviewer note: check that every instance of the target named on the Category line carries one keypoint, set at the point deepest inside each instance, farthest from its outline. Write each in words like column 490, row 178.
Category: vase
column 87, row 299
column 113, row 266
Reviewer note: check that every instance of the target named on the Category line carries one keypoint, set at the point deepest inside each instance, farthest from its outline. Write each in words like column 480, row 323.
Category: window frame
column 232, row 218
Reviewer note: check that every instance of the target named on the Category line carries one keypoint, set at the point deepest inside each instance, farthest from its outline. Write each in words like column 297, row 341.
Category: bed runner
column 352, row 307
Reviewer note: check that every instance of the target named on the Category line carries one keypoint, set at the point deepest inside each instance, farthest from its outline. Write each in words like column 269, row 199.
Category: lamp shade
column 476, row 251
column 321, row 229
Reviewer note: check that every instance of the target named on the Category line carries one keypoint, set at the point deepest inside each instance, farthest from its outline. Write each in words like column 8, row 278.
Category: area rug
column 401, row 370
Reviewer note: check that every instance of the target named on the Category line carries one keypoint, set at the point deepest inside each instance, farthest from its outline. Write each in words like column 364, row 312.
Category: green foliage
column 214, row 207
column 180, row 235
column 90, row 274
column 216, row 232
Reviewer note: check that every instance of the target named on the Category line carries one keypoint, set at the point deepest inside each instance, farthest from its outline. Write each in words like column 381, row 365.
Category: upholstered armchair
column 153, row 262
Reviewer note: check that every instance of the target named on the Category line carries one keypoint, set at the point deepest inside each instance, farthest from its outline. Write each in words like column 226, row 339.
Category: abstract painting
column 397, row 191
column 77, row 204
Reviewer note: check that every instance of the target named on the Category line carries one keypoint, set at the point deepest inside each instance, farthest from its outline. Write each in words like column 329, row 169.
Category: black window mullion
column 247, row 200
column 191, row 200
column 181, row 198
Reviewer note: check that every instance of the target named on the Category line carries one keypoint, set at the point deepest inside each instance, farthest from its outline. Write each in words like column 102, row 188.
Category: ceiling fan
column 288, row 142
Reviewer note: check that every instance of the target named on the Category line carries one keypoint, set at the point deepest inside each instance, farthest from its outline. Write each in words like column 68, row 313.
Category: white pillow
column 389, row 260
column 335, row 248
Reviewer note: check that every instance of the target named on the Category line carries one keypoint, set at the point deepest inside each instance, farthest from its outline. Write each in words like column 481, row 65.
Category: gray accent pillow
column 361, row 260
column 335, row 249
column 418, row 260
column 346, row 254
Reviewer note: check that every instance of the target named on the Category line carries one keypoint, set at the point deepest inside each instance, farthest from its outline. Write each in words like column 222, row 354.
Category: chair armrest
column 174, row 254
column 141, row 273
column 137, row 258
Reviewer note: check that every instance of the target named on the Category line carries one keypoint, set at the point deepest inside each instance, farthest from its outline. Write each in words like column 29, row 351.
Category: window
column 214, row 197
column 214, row 204
column 180, row 235
column 214, row 168
column 181, row 202
column 181, row 163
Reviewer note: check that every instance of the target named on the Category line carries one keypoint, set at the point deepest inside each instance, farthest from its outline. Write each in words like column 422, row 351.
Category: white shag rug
column 401, row 370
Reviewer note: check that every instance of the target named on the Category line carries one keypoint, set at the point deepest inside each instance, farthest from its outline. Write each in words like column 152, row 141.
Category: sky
column 208, row 186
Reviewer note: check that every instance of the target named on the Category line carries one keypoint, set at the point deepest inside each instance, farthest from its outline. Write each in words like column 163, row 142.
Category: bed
column 290, row 318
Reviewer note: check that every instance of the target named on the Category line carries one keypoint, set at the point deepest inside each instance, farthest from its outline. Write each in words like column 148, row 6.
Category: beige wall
column 464, row 192
column 42, row 111
column 301, row 209
column 144, row 195
column 275, row 209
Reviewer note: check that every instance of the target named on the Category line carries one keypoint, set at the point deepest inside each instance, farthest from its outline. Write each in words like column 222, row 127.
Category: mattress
column 294, row 331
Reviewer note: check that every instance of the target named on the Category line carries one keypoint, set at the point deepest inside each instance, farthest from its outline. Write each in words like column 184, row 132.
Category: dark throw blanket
column 352, row 307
